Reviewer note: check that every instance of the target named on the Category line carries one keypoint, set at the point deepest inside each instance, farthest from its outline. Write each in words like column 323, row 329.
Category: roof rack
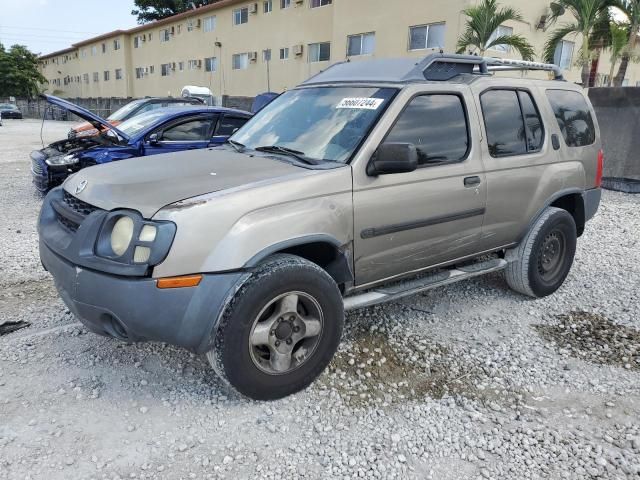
column 446, row 66
column 434, row 67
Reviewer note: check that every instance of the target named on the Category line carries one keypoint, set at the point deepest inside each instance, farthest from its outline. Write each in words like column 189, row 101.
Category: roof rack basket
column 446, row 66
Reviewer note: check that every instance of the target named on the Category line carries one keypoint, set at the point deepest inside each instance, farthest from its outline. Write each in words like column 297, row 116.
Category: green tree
column 618, row 47
column 588, row 16
column 631, row 10
column 20, row 75
column 151, row 10
column 482, row 23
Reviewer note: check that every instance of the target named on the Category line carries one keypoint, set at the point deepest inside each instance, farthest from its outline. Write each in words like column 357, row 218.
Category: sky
column 46, row 26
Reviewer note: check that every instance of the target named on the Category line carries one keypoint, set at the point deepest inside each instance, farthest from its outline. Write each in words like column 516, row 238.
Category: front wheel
column 542, row 261
column 281, row 329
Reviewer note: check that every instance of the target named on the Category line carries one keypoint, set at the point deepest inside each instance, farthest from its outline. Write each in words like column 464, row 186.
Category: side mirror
column 393, row 158
column 154, row 139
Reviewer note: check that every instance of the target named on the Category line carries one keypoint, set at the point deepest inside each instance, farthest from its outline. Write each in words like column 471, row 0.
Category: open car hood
column 98, row 122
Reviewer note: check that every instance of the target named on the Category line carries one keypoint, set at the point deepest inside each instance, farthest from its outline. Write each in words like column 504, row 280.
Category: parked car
column 132, row 109
column 9, row 110
column 370, row 182
column 158, row 131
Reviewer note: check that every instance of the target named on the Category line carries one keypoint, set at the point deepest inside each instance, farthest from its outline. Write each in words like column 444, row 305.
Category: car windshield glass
column 122, row 112
column 135, row 125
column 322, row 123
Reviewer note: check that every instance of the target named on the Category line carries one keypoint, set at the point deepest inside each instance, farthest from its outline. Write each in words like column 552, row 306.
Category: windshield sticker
column 361, row 103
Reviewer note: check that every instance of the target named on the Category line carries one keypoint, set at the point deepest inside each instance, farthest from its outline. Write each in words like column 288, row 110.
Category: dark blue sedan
column 159, row 131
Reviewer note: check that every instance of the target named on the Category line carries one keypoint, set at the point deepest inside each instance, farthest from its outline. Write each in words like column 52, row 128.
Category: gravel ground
column 470, row 381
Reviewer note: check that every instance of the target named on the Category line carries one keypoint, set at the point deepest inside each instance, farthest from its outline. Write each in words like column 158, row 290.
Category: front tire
column 280, row 330
column 542, row 261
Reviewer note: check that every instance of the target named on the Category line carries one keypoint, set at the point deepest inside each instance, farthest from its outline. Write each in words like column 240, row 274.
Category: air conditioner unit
column 173, row 66
column 253, row 56
column 198, row 23
column 144, row 38
column 253, row 8
column 146, row 70
column 298, row 49
column 199, row 63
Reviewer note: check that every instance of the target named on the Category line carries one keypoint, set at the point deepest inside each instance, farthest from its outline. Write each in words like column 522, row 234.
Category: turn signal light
column 600, row 168
column 179, row 282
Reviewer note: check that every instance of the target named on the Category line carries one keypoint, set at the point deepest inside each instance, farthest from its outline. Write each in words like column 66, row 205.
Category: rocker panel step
column 425, row 282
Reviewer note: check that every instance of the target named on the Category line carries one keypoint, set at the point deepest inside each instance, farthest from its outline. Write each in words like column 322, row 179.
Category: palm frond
column 555, row 38
column 517, row 42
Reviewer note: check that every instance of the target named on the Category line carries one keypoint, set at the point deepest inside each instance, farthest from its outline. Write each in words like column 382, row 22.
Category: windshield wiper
column 239, row 147
column 297, row 154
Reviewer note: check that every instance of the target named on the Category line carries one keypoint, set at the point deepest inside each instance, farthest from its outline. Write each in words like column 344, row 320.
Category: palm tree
column 618, row 45
column 482, row 26
column 588, row 16
column 631, row 9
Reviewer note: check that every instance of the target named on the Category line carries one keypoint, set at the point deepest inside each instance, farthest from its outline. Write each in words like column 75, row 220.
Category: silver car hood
column 149, row 183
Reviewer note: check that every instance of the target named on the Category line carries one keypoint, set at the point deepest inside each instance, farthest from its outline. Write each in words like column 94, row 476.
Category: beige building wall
column 299, row 24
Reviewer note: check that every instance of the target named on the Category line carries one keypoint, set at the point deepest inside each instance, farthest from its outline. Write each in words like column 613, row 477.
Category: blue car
column 159, row 131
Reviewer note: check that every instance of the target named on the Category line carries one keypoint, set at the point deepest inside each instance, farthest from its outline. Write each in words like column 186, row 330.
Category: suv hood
column 147, row 184
column 98, row 122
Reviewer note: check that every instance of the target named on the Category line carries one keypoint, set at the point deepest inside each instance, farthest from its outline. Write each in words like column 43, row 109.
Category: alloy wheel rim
column 286, row 333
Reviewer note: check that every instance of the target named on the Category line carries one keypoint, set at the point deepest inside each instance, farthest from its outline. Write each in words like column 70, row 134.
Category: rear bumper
column 591, row 202
column 135, row 310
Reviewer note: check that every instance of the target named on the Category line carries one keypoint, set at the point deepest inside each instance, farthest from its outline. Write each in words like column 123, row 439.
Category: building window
column 116, row 44
column 179, row 28
column 190, row 25
column 284, row 53
column 320, row 3
column 194, row 64
column 96, row 77
column 85, row 77
column 211, row 64
column 151, row 69
column 104, row 48
column 165, row 35
column 266, row 55
column 106, row 75
column 426, row 36
column 139, row 72
column 136, row 41
column 181, row 66
column 209, row 24
column 118, row 74
column 563, row 56
column 165, row 69
column 362, row 44
column 319, row 52
column 240, row 16
column 240, row 61
column 94, row 51
column 267, row 6
column 285, row 4
column 501, row 31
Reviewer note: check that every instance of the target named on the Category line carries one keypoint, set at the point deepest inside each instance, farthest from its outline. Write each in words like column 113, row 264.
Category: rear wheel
column 281, row 329
column 542, row 261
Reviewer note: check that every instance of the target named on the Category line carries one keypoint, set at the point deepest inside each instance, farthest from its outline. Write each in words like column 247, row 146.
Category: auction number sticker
column 361, row 103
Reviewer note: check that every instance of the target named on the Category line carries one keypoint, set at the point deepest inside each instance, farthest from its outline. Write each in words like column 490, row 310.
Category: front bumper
column 45, row 177
column 135, row 310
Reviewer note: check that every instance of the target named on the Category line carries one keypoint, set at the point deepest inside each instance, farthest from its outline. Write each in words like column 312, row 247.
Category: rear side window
column 512, row 121
column 229, row 125
column 573, row 116
column 437, row 126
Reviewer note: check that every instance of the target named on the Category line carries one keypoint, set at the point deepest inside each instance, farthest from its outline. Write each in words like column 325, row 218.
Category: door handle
column 470, row 182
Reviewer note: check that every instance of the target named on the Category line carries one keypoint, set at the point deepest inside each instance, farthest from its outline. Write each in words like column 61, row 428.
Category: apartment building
column 236, row 47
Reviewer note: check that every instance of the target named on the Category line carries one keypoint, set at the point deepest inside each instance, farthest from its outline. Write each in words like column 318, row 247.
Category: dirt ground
column 470, row 381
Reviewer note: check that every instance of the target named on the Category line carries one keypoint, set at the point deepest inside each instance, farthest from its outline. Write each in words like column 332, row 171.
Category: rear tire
column 541, row 262
column 280, row 330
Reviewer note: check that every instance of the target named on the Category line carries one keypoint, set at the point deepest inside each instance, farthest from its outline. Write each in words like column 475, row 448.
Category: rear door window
column 229, row 125
column 513, row 123
column 573, row 116
column 193, row 130
column 437, row 125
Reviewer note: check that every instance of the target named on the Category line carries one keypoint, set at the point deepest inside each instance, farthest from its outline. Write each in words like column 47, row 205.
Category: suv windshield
column 322, row 123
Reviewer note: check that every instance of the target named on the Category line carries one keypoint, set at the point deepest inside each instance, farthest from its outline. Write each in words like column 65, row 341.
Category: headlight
column 126, row 237
column 70, row 159
column 121, row 235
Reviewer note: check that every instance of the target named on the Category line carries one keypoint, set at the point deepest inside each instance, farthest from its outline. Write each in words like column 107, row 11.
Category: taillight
column 599, row 168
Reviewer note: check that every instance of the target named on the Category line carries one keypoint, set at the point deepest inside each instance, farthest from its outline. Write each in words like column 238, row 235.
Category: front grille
column 36, row 166
column 70, row 221
column 77, row 205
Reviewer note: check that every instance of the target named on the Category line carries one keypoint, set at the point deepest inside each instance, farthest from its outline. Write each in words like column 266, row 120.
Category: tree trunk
column 593, row 72
column 586, row 67
column 611, row 70
column 624, row 61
